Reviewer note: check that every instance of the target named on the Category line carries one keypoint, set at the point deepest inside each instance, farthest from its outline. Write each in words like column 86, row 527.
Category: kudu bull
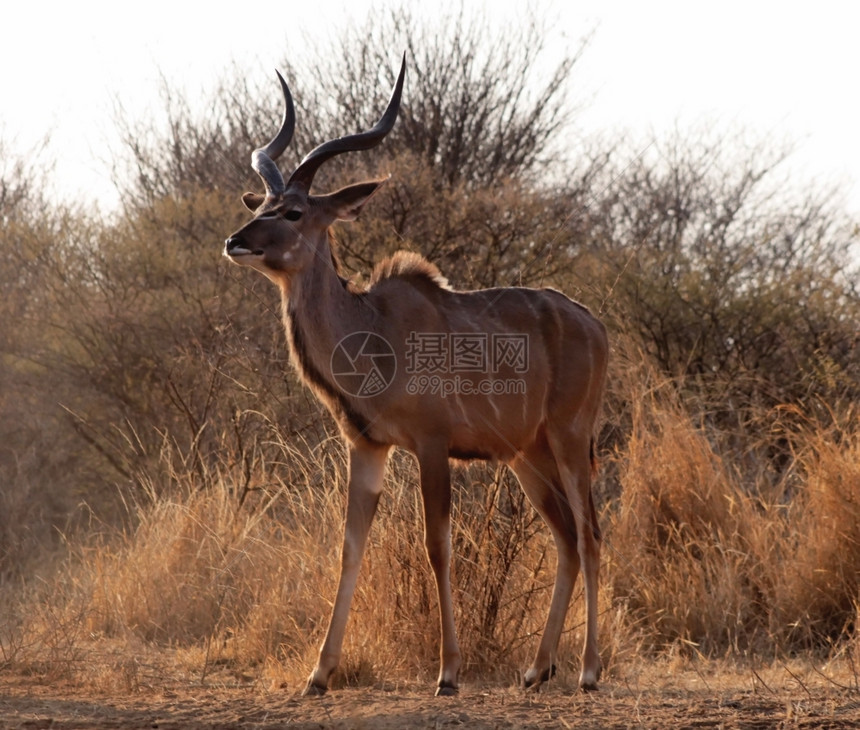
column 408, row 362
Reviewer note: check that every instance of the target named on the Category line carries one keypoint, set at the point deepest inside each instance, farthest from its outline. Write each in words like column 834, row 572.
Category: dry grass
column 701, row 559
column 714, row 560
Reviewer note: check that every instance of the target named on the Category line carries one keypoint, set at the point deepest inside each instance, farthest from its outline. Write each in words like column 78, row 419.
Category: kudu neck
column 320, row 302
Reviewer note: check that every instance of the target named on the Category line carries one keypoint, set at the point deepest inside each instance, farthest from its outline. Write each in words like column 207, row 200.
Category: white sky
column 783, row 70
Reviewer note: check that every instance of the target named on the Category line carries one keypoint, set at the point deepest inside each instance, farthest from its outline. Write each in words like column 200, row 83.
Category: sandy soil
column 693, row 701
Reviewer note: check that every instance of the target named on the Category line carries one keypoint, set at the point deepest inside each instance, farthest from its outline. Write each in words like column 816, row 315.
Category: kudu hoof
column 589, row 684
column 314, row 690
column 446, row 689
column 545, row 676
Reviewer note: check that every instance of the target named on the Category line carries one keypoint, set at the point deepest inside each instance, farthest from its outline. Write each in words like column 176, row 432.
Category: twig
column 80, row 425
column 763, row 683
column 797, row 679
column 829, row 679
column 702, row 677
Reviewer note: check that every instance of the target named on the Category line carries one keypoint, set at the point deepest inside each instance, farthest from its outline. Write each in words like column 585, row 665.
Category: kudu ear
column 346, row 203
column 253, row 201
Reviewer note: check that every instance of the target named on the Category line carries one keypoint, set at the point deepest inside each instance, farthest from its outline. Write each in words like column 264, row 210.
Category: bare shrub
column 504, row 234
column 481, row 106
column 722, row 275
column 37, row 504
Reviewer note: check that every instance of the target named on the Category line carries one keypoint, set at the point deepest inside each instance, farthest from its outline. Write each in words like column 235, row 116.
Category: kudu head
column 289, row 222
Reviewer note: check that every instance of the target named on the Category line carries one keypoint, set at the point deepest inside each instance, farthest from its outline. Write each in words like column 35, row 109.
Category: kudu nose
column 232, row 243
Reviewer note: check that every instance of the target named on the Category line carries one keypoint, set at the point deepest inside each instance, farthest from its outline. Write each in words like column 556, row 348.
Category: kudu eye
column 293, row 215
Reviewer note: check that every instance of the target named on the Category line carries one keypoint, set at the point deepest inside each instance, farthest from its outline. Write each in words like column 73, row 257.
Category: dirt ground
column 779, row 697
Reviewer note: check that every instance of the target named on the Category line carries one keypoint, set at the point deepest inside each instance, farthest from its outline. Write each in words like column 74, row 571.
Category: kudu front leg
column 436, row 495
column 366, row 470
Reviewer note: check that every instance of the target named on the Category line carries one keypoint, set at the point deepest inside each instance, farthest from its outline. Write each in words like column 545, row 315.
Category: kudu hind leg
column 366, row 470
column 436, row 496
column 573, row 458
column 538, row 476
